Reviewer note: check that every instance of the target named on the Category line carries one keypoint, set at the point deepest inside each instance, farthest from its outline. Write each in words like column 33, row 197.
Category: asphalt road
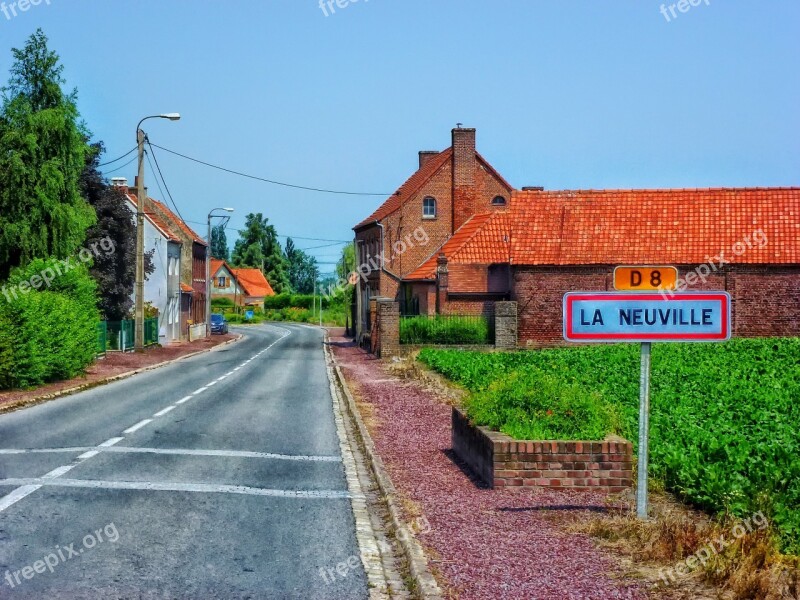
column 237, row 491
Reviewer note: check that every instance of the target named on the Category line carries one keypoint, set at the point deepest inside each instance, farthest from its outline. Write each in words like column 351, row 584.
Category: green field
column 725, row 418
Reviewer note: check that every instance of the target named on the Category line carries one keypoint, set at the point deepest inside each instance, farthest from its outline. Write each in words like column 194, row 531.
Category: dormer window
column 429, row 208
column 499, row 201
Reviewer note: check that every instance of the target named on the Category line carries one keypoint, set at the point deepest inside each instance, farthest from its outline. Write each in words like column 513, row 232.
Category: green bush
column 221, row 303
column 534, row 405
column 444, row 330
column 51, row 334
column 724, row 417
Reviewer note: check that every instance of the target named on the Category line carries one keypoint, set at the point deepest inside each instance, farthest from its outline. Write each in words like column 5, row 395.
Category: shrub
column 534, row 405
column 221, row 303
column 444, row 330
column 50, row 334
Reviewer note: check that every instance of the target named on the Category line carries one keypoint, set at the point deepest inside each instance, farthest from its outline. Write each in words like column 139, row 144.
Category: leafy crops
column 724, row 417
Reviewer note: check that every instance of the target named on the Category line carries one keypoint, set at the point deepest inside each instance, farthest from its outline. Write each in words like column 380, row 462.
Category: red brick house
column 542, row 244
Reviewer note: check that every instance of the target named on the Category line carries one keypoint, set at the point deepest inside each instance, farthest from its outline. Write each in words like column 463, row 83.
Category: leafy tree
column 347, row 262
column 43, row 151
column 114, row 271
column 303, row 270
column 258, row 247
column 219, row 243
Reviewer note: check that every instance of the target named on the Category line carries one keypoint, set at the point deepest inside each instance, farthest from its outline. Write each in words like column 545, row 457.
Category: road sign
column 249, row 314
column 647, row 317
column 645, row 279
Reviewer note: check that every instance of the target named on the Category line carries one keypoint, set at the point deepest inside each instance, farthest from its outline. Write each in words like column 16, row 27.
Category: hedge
column 49, row 334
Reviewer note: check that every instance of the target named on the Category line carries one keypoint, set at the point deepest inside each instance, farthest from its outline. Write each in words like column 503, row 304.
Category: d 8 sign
column 645, row 279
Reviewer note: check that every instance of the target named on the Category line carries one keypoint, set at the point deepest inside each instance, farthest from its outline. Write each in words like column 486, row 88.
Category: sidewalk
column 114, row 366
column 483, row 543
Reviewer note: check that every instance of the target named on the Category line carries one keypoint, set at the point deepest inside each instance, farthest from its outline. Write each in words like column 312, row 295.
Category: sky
column 583, row 94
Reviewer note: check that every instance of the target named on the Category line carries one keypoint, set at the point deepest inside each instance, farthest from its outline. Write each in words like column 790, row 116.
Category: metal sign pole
column 644, row 432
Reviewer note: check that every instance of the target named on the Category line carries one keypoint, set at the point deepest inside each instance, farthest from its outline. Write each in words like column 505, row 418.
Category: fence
column 102, row 338
column 120, row 336
column 447, row 330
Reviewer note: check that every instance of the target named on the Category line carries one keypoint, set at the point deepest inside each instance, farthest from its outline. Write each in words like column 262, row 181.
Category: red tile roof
column 187, row 288
column 631, row 227
column 156, row 220
column 253, row 282
column 409, row 188
column 179, row 223
column 216, row 265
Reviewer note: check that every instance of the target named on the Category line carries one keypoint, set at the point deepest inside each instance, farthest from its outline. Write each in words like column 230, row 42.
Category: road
column 216, row 477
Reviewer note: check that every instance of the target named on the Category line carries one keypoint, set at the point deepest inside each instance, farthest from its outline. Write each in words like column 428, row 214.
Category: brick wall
column 505, row 325
column 503, row 462
column 389, row 328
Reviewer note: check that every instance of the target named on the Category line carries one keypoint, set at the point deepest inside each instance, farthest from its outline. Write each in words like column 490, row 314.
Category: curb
column 11, row 407
column 417, row 561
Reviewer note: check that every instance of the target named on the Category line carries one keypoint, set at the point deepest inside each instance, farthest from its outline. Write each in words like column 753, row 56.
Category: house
column 538, row 245
column 162, row 287
column 245, row 287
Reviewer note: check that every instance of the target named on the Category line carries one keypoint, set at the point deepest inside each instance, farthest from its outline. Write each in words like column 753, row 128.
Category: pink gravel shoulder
column 113, row 364
column 487, row 543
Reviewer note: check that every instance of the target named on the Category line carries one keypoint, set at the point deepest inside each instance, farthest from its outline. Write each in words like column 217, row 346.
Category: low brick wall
column 502, row 461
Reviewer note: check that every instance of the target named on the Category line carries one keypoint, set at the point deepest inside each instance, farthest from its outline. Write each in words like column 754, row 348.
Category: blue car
column 218, row 324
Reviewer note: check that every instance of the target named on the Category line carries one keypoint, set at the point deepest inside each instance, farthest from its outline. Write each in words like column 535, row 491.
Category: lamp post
column 141, row 198
column 211, row 215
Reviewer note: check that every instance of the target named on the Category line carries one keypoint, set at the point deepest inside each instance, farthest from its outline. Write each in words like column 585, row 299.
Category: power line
column 294, row 237
column 120, row 158
column 122, row 167
column 265, row 180
column 175, row 206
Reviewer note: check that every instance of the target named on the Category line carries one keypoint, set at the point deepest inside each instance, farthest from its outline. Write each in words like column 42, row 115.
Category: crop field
column 725, row 418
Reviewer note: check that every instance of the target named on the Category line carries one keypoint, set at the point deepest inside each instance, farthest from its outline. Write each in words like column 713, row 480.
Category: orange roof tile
column 253, row 282
column 185, row 287
column 179, row 223
column 156, row 220
column 409, row 188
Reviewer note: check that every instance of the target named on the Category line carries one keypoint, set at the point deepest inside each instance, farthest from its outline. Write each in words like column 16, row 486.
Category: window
column 222, row 282
column 429, row 208
column 498, row 201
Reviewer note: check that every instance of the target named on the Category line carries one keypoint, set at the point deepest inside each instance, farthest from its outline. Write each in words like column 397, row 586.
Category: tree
column 43, row 151
column 303, row 270
column 258, row 248
column 115, row 270
column 219, row 243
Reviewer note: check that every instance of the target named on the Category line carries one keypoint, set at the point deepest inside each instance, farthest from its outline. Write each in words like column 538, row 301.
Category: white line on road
column 17, row 495
column 182, row 400
column 111, row 442
column 161, row 413
column 58, row 472
column 179, row 487
column 178, row 452
column 200, row 391
column 89, row 454
column 138, row 426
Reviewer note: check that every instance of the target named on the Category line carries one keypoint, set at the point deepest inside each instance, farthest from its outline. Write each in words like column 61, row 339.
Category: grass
column 445, row 329
column 724, row 417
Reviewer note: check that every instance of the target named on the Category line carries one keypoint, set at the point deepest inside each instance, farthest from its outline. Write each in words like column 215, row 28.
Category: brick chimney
column 426, row 155
column 464, row 164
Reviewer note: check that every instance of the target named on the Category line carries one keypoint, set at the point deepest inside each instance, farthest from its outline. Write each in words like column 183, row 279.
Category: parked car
column 218, row 324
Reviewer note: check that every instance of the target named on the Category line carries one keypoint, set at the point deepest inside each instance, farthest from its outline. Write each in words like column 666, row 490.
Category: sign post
column 646, row 317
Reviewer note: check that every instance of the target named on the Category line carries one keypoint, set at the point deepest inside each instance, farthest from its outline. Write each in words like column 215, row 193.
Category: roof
column 179, row 223
column 584, row 227
column 217, row 264
column 483, row 239
column 156, row 220
column 409, row 188
column 253, row 282
column 185, row 287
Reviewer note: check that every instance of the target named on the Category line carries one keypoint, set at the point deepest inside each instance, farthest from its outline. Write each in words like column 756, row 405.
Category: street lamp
column 140, row 212
column 211, row 215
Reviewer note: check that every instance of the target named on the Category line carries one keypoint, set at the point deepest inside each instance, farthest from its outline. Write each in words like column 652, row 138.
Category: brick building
column 490, row 242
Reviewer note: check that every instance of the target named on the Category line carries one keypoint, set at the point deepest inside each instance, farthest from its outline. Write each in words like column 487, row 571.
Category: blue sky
column 568, row 95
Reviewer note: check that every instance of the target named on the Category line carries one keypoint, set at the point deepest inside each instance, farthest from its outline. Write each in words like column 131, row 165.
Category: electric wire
column 158, row 167
column 118, row 159
column 122, row 167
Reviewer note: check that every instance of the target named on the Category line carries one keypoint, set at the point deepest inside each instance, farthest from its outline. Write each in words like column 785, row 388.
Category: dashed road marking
column 164, row 411
column 138, row 426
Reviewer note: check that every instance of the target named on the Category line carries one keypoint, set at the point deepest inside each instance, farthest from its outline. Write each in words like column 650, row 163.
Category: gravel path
column 485, row 543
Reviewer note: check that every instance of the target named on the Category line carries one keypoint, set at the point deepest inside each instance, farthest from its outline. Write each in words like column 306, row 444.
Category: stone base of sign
column 501, row 461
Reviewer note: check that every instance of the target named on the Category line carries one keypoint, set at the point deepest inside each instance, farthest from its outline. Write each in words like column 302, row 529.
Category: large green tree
column 258, row 247
column 43, row 151
column 303, row 270
column 219, row 243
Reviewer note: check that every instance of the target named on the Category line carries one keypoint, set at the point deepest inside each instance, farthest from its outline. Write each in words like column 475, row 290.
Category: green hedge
column 50, row 334
column 294, row 301
column 445, row 330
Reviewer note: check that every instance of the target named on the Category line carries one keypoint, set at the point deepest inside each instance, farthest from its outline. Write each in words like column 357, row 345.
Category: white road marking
column 58, row 472
column 200, row 391
column 237, row 368
column 180, row 487
column 111, row 442
column 138, row 426
column 161, row 413
column 89, row 454
column 182, row 400
column 17, row 495
column 213, row 383
column 179, row 452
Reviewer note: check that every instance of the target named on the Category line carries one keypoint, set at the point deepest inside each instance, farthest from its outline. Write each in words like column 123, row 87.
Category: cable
column 120, row 158
column 122, row 167
column 290, row 185
column 294, row 237
column 175, row 206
